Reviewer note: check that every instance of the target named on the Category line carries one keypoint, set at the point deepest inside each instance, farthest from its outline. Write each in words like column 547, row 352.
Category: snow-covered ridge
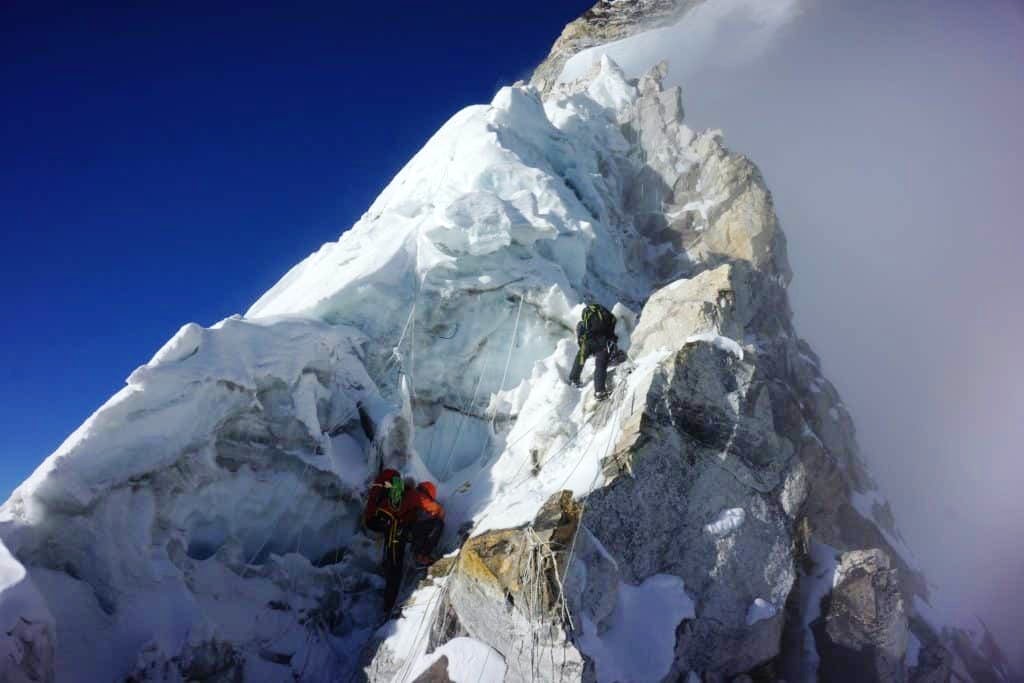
column 204, row 521
column 232, row 464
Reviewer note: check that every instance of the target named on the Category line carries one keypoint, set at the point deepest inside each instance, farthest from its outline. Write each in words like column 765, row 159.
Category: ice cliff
column 712, row 521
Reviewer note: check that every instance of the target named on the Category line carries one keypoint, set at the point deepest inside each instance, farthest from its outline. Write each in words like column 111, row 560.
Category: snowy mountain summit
column 711, row 521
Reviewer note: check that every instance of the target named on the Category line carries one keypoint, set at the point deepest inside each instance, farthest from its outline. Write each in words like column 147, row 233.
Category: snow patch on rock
column 759, row 610
column 726, row 344
column 727, row 522
column 637, row 641
column 467, row 661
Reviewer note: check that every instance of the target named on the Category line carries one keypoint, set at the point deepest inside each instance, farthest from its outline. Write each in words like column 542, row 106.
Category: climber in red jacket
column 403, row 512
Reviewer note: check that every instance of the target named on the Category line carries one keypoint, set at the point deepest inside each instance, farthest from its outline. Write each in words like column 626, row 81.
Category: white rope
column 408, row 321
column 508, row 357
column 504, row 376
column 423, row 631
column 446, row 471
column 273, row 528
column 583, row 504
column 433, row 605
column 412, row 350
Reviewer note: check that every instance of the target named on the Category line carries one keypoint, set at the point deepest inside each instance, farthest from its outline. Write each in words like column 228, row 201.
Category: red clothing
column 426, row 494
column 416, row 503
column 378, row 500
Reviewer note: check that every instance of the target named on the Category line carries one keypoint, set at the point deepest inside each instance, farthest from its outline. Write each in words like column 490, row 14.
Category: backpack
column 597, row 320
column 395, row 491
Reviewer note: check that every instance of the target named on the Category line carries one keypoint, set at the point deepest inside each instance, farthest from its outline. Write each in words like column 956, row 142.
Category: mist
column 890, row 135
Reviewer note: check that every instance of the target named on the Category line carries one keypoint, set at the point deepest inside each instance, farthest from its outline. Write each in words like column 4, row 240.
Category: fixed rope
column 504, row 376
column 446, row 471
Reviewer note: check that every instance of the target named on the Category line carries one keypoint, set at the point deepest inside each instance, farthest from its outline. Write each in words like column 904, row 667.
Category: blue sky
column 169, row 164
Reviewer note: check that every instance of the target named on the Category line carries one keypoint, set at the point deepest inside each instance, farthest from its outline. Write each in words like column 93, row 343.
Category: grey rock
column 704, row 444
column 505, row 590
column 436, row 672
column 864, row 630
column 604, row 22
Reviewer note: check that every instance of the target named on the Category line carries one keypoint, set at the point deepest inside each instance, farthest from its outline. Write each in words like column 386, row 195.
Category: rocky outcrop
column 605, row 22
column 734, row 456
column 506, row 590
column 863, row 632
column 697, row 465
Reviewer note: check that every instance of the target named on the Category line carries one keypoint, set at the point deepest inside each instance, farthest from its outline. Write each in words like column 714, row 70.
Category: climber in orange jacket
column 403, row 512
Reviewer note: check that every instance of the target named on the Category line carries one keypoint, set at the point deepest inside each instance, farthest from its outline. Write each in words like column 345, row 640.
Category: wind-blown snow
column 638, row 642
column 747, row 27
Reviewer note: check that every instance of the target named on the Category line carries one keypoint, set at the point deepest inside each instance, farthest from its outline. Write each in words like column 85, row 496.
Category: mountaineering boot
column 602, row 395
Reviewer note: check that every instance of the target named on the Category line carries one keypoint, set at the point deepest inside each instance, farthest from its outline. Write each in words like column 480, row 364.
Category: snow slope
column 205, row 521
column 185, row 520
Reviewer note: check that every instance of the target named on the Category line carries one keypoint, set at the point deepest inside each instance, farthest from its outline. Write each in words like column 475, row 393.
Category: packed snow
column 468, row 661
column 638, row 640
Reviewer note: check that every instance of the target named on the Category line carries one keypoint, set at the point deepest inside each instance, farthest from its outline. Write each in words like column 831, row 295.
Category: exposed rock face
column 703, row 446
column 605, row 22
column 863, row 634
column 506, row 591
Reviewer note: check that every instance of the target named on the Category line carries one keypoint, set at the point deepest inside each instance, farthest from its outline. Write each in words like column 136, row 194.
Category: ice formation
column 203, row 524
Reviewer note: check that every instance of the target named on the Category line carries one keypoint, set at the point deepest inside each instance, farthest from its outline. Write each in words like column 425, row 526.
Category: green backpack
column 598, row 320
column 396, row 491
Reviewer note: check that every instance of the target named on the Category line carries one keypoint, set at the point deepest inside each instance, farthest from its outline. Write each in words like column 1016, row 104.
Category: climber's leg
column 600, row 370
column 425, row 535
column 392, row 563
column 577, row 366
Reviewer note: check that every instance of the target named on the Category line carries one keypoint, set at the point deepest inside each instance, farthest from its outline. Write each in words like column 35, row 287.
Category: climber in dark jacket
column 403, row 512
column 595, row 334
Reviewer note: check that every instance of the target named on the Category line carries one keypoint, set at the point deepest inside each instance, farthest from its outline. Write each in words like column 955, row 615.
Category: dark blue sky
column 168, row 164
